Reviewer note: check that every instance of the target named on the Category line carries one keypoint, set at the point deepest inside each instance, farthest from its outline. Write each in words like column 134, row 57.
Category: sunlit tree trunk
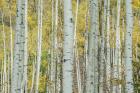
column 102, row 53
column 117, row 63
column 113, row 49
column 92, row 66
column 39, row 45
column 85, row 52
column 122, row 55
column 76, row 58
column 1, row 77
column 53, row 47
column 8, row 75
column 68, row 47
column 108, row 62
column 11, row 45
column 129, row 87
column 4, row 58
column 19, row 67
column 25, row 80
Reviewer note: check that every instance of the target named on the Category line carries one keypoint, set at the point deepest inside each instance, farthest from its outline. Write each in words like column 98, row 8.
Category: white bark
column 4, row 53
column 117, row 63
column 39, row 44
column 11, row 45
column 108, row 62
column 129, row 88
column 102, row 53
column 53, row 48
column 25, row 49
column 56, row 48
column 92, row 69
column 85, row 52
column 68, row 47
column 8, row 75
column 1, row 76
column 20, row 51
column 75, row 49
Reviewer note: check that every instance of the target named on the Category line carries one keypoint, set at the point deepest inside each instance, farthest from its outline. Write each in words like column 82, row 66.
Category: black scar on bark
column 71, row 20
column 66, row 60
column 91, row 83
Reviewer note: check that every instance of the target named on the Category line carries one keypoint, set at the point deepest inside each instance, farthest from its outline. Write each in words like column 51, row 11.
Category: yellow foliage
column 136, row 3
column 1, row 3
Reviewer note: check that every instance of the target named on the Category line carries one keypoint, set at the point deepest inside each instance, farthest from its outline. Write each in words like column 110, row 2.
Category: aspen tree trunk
column 129, row 87
column 86, row 60
column 59, row 69
column 25, row 90
column 61, row 47
column 112, row 50
column 1, row 76
column 86, row 53
column 8, row 75
column 33, row 76
column 108, row 62
column 92, row 74
column 117, row 63
column 123, row 64
column 95, row 28
column 11, row 45
column 52, row 49
column 55, row 48
column 19, row 65
column 39, row 45
column 68, row 47
column 3, row 87
column 54, row 53
column 77, row 65
column 11, row 48
column 102, row 55
column 4, row 51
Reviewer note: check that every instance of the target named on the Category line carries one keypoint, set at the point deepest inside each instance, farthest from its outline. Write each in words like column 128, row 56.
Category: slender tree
column 86, row 51
column 117, row 63
column 20, row 50
column 76, row 58
column 39, row 44
column 25, row 80
column 11, row 45
column 53, row 47
column 5, row 59
column 56, row 48
column 129, row 87
column 108, row 62
column 68, row 47
column 102, row 52
column 92, row 71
